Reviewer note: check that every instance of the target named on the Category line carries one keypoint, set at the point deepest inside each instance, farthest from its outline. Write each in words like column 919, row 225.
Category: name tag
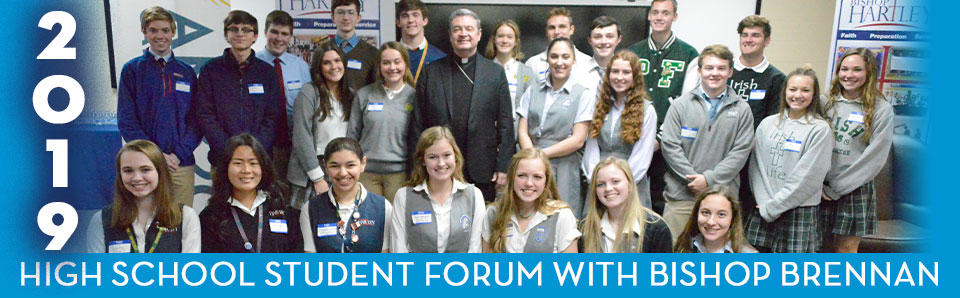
column 354, row 64
column 294, row 85
column 856, row 117
column 757, row 94
column 421, row 217
column 122, row 246
column 375, row 106
column 255, row 88
column 325, row 230
column 793, row 145
column 278, row 226
column 688, row 133
column 183, row 86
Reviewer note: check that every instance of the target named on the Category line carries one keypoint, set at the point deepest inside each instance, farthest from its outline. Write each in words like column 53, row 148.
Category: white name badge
column 793, row 145
column 255, row 88
column 856, row 117
column 324, row 230
column 278, row 226
column 294, row 85
column 354, row 64
column 375, row 107
column 757, row 94
column 688, row 132
column 421, row 217
column 122, row 246
column 183, row 86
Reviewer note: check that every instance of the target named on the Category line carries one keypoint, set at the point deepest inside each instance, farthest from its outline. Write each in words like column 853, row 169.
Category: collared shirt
column 442, row 213
column 713, row 104
column 392, row 93
column 422, row 45
column 610, row 235
column 700, row 244
column 510, row 69
column 351, row 42
column 252, row 211
column 166, row 58
column 584, row 109
column 189, row 241
column 296, row 74
column 344, row 210
column 566, row 230
column 594, row 75
column 759, row 68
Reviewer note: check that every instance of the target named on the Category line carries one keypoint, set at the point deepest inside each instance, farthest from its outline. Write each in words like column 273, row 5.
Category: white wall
column 707, row 22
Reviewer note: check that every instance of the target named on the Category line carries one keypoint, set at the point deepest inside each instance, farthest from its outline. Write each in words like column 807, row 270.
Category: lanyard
column 420, row 67
column 342, row 224
column 153, row 246
column 246, row 242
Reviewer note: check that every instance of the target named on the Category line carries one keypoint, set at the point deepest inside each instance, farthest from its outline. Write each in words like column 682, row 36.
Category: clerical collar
column 465, row 61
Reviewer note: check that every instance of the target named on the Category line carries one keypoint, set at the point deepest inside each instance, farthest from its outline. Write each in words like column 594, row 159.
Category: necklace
column 464, row 73
column 528, row 215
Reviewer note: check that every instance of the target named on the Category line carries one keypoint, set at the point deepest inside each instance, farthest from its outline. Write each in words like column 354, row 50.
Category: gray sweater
column 691, row 144
column 790, row 159
column 855, row 163
column 381, row 125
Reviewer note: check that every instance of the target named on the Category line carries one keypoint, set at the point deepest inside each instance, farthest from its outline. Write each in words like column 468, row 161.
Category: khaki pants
column 182, row 180
column 384, row 184
column 676, row 214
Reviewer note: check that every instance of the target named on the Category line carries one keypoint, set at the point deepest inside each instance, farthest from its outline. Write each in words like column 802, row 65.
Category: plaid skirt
column 795, row 231
column 854, row 214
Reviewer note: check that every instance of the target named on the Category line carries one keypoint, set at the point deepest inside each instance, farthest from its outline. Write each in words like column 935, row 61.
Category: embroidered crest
column 465, row 223
column 541, row 234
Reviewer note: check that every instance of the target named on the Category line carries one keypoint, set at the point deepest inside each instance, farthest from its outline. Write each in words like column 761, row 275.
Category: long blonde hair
column 548, row 203
column 633, row 212
column 869, row 93
column 631, row 119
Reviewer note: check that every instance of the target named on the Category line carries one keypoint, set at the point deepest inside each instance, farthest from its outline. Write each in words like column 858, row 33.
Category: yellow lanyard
column 133, row 241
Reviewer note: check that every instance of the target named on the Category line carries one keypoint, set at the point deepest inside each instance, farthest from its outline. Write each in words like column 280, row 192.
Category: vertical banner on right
column 896, row 31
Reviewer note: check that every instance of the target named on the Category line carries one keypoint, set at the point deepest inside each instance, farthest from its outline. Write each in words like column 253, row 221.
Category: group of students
column 635, row 125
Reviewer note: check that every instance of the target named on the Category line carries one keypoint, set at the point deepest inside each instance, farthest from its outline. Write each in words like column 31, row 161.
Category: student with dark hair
column 237, row 92
column 791, row 157
column 321, row 113
column 469, row 94
column 559, row 24
column 437, row 211
column 154, row 98
column 294, row 74
column 707, row 137
column 143, row 218
column 380, row 120
column 411, row 19
column 862, row 122
column 359, row 55
column 247, row 212
column 554, row 116
column 604, row 39
column 716, row 226
column 348, row 218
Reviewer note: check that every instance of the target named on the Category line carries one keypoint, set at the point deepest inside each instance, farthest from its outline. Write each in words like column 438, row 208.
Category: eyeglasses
column 236, row 30
column 345, row 12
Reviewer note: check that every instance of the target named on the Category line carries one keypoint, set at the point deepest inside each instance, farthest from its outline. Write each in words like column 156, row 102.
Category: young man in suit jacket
column 468, row 93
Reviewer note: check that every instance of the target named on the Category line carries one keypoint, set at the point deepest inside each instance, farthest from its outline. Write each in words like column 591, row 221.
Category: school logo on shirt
column 275, row 213
column 366, row 222
column 541, row 234
column 465, row 223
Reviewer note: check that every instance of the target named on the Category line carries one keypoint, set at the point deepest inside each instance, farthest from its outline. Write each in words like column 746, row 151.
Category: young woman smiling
column 616, row 221
column 530, row 217
column 716, row 226
column 143, row 217
column 437, row 211
column 791, row 156
column 380, row 120
column 555, row 116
